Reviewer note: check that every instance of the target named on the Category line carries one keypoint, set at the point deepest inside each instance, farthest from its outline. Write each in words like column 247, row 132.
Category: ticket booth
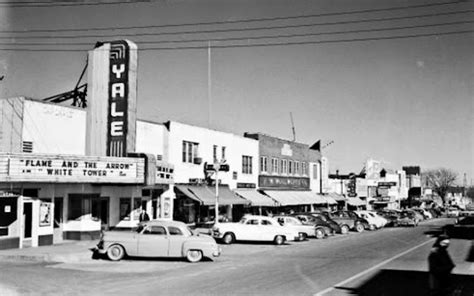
column 25, row 222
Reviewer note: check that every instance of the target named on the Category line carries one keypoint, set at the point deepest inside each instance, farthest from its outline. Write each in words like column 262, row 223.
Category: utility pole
column 293, row 127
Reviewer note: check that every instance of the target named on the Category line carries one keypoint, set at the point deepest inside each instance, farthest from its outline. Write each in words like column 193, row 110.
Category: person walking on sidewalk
column 440, row 266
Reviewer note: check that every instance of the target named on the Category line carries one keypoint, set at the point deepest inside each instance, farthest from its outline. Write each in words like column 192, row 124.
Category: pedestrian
column 144, row 216
column 440, row 266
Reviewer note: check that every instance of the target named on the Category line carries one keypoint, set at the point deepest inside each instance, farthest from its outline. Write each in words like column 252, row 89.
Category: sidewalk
column 68, row 252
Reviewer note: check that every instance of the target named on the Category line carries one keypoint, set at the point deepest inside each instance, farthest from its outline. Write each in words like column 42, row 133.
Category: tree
column 440, row 180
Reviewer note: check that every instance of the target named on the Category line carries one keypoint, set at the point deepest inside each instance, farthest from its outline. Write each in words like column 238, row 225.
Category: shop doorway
column 58, row 220
column 104, row 212
column 27, row 223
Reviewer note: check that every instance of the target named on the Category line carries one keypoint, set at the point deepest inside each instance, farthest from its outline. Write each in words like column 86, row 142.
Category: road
column 335, row 266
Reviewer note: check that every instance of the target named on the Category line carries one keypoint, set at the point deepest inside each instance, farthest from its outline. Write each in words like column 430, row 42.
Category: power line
column 263, row 44
column 256, row 37
column 278, row 18
column 39, row 4
column 244, row 29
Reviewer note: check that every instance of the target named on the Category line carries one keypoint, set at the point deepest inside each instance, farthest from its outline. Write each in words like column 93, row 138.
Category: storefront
column 25, row 222
column 196, row 203
column 85, row 194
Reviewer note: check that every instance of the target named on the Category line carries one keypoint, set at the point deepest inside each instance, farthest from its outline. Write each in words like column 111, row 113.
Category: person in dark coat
column 144, row 216
column 440, row 266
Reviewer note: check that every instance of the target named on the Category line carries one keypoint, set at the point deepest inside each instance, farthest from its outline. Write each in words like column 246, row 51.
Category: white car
column 304, row 230
column 254, row 228
column 375, row 221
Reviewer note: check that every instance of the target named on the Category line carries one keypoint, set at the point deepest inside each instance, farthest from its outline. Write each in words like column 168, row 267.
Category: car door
column 176, row 241
column 153, row 241
column 250, row 230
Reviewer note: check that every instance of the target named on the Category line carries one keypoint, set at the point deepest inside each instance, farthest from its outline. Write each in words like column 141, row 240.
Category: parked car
column 407, row 218
column 304, row 230
column 418, row 216
column 468, row 211
column 452, row 212
column 391, row 216
column 462, row 228
column 319, row 224
column 347, row 220
column 426, row 214
column 255, row 228
column 375, row 221
column 321, row 217
column 158, row 238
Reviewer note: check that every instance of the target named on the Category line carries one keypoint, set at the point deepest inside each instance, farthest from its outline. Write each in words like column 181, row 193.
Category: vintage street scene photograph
column 237, row 147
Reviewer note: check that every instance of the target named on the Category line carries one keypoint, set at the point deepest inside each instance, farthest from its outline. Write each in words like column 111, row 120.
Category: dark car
column 333, row 224
column 408, row 218
column 318, row 223
column 391, row 215
column 347, row 220
column 462, row 228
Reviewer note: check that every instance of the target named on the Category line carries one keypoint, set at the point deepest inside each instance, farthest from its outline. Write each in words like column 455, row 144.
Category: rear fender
column 204, row 247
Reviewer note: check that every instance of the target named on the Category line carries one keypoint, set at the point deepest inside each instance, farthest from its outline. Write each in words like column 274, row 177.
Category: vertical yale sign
column 118, row 98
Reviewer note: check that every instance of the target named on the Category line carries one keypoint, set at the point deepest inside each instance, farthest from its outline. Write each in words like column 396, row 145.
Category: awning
column 206, row 195
column 356, row 202
column 329, row 200
column 337, row 197
column 287, row 198
column 256, row 198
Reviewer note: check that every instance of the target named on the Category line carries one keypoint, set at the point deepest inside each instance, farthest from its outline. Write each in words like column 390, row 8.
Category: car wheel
column 228, row 238
column 344, row 229
column 115, row 252
column 279, row 240
column 303, row 236
column 359, row 227
column 319, row 233
column 372, row 227
column 395, row 224
column 194, row 256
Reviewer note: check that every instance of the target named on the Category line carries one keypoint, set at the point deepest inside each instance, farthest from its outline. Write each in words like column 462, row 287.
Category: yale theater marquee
column 70, row 169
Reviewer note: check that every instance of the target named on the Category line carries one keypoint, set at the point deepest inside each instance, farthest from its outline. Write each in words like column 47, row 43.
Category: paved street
column 336, row 266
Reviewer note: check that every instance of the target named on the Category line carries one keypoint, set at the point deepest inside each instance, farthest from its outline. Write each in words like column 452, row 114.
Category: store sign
column 283, row 182
column 63, row 169
column 118, row 99
column 387, row 184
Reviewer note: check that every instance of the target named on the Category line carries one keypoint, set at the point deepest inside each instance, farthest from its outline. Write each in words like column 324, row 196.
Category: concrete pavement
column 68, row 251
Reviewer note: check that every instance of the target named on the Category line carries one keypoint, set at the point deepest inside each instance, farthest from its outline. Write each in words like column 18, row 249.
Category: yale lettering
column 118, row 90
column 116, row 128
column 118, row 71
column 113, row 110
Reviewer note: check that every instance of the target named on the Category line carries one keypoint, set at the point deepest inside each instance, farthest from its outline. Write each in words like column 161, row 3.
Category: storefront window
column 137, row 205
column 84, row 204
column 125, row 208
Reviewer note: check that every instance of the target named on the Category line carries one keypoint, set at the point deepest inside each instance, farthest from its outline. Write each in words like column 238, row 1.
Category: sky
column 404, row 101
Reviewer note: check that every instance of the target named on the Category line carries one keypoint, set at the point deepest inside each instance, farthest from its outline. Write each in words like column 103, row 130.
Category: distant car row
column 299, row 226
column 162, row 238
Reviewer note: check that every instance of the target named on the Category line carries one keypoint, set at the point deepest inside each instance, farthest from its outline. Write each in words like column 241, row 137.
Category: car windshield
column 140, row 228
column 187, row 231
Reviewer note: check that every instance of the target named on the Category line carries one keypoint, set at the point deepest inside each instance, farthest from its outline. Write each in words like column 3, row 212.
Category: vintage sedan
column 375, row 221
column 255, row 228
column 304, row 230
column 158, row 238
